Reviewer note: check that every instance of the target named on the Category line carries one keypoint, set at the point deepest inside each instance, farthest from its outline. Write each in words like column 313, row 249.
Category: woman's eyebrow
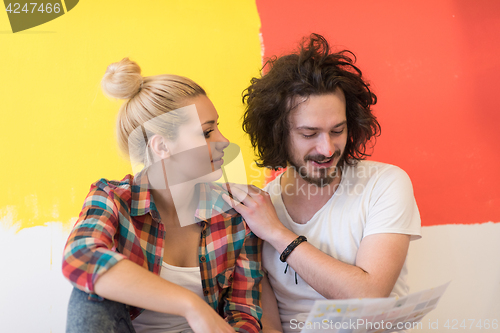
column 210, row 122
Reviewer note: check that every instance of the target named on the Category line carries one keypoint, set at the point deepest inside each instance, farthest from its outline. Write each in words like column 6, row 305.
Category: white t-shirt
column 372, row 198
column 157, row 322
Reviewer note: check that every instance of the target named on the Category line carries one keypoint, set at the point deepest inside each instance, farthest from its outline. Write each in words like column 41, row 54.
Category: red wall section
column 434, row 66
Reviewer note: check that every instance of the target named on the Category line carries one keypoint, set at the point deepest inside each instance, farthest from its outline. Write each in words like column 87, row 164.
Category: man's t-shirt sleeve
column 392, row 206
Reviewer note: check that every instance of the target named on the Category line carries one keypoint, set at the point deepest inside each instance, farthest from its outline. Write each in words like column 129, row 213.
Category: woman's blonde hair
column 148, row 99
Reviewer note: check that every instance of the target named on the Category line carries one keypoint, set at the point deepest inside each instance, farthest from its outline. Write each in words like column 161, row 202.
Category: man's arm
column 271, row 322
column 378, row 264
column 379, row 259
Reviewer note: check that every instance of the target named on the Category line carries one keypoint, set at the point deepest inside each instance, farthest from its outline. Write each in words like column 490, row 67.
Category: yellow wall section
column 58, row 128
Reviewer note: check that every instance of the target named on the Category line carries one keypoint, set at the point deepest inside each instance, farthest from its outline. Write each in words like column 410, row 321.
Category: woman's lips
column 218, row 162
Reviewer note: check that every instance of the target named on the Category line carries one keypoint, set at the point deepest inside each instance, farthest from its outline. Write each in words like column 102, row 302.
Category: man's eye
column 307, row 136
column 338, row 132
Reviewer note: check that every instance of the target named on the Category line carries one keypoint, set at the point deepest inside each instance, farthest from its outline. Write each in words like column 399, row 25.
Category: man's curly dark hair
column 312, row 70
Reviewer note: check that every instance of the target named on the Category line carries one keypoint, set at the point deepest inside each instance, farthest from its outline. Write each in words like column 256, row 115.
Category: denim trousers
column 85, row 316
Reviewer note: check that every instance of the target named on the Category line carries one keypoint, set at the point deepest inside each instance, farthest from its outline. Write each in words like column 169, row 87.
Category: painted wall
column 433, row 65
column 58, row 129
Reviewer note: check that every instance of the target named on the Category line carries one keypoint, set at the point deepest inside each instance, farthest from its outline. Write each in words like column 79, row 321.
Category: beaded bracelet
column 292, row 247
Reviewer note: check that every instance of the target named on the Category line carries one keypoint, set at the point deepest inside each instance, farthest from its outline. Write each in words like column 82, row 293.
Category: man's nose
column 325, row 145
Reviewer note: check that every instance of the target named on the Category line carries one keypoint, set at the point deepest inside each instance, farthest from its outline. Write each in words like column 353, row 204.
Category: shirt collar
column 210, row 203
column 142, row 200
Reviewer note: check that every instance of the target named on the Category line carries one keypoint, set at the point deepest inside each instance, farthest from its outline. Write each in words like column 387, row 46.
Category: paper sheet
column 372, row 315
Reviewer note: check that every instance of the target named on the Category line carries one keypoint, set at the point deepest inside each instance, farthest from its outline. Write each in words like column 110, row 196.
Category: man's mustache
column 320, row 157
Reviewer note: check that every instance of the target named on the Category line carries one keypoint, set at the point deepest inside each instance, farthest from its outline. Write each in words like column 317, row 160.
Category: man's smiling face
column 318, row 135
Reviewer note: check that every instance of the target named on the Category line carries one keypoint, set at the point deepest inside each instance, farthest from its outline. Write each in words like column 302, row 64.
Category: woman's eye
column 307, row 136
column 207, row 133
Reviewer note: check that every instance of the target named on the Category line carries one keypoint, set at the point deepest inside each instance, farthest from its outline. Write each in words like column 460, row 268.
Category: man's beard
column 326, row 175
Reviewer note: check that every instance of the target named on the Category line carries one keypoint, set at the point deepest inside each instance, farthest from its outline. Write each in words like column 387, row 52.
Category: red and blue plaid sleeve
column 242, row 308
column 90, row 249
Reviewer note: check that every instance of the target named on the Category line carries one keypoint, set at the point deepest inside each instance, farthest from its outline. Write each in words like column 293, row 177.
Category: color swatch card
column 372, row 315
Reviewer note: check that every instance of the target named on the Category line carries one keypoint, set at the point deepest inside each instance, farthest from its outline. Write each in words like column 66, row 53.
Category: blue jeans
column 86, row 316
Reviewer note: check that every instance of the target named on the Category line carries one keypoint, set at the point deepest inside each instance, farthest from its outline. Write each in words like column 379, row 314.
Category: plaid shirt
column 119, row 220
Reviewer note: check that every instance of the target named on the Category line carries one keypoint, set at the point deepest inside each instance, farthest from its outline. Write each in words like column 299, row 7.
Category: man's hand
column 378, row 263
column 257, row 209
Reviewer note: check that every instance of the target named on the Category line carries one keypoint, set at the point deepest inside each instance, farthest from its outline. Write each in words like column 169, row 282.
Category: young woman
column 163, row 240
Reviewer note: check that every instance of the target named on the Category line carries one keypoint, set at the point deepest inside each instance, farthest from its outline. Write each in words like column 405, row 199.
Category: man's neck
column 303, row 199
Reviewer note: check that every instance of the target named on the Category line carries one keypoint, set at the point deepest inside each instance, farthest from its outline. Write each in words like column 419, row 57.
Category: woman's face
column 199, row 146
column 209, row 117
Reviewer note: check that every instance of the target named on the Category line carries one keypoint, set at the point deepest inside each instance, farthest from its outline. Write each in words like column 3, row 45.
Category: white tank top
column 157, row 322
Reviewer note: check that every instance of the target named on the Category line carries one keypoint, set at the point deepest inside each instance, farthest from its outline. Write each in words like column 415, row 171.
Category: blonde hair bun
column 147, row 100
column 122, row 79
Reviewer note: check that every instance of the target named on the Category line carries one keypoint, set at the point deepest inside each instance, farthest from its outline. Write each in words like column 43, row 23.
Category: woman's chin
column 211, row 177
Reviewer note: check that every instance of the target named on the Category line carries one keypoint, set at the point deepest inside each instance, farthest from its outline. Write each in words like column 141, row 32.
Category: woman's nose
column 222, row 142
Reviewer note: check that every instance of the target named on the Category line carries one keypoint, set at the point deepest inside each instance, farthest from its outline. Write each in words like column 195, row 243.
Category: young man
column 335, row 226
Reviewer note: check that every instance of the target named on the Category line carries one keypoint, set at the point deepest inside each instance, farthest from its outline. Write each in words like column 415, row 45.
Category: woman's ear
column 159, row 147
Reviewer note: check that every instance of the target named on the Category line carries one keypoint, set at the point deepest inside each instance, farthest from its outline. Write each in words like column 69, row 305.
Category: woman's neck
column 176, row 204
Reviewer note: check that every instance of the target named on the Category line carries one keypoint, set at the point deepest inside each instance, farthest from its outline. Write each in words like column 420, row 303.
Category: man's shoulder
column 376, row 178
column 360, row 164
column 273, row 187
column 366, row 169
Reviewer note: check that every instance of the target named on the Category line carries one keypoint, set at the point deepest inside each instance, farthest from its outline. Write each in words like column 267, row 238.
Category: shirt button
column 205, row 292
column 230, row 279
column 204, row 232
column 203, row 259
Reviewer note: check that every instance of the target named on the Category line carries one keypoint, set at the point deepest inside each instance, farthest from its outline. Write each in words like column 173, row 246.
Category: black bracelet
column 292, row 247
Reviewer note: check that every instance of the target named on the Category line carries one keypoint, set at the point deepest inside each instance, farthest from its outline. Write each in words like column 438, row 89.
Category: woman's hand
column 203, row 319
column 257, row 209
column 129, row 283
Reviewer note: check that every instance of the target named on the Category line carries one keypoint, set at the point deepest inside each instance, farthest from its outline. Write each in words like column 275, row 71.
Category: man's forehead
column 307, row 116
